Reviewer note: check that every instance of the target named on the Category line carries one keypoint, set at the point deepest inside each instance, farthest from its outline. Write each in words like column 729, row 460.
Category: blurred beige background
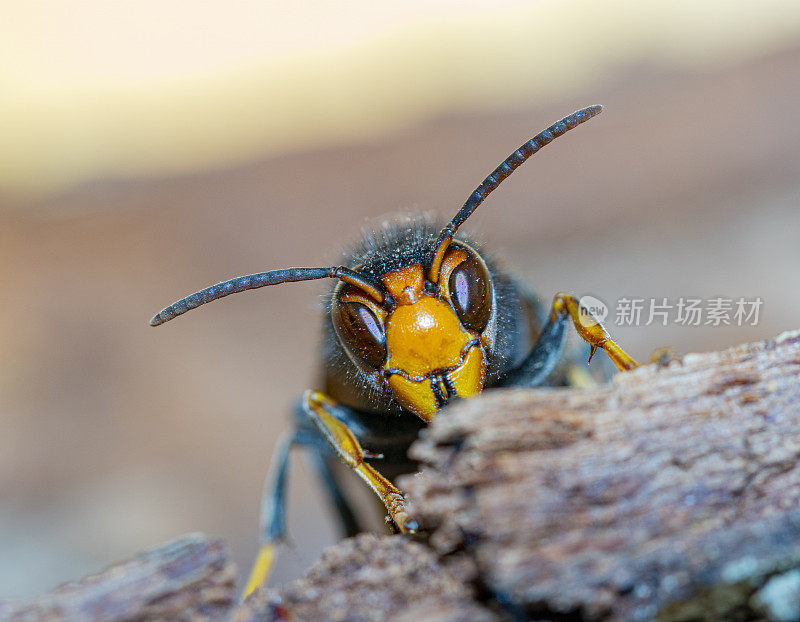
column 150, row 149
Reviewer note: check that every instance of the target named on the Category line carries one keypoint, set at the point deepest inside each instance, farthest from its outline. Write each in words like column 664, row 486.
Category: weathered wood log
column 189, row 578
column 671, row 494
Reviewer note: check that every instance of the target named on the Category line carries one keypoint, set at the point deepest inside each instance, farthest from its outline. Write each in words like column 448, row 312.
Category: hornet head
column 427, row 340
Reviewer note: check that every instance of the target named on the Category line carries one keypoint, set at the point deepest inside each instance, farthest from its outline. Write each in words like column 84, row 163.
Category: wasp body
column 418, row 317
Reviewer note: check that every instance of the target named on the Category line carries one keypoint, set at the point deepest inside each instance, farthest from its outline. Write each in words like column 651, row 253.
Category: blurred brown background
column 152, row 149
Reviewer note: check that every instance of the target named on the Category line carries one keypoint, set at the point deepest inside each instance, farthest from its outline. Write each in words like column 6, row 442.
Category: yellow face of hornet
column 428, row 342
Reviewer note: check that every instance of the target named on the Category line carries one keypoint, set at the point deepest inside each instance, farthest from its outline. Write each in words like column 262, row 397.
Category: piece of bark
column 189, row 578
column 671, row 494
column 369, row 578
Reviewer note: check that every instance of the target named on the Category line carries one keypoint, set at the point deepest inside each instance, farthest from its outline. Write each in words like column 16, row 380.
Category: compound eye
column 361, row 332
column 470, row 288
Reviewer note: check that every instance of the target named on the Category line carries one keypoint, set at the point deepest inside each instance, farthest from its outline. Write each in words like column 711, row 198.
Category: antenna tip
column 156, row 320
column 582, row 115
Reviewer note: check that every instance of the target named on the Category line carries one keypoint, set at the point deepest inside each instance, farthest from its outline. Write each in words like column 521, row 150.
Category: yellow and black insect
column 417, row 318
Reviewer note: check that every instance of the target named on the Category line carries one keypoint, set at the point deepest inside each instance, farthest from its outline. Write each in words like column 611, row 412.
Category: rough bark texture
column 671, row 494
column 368, row 578
column 187, row 579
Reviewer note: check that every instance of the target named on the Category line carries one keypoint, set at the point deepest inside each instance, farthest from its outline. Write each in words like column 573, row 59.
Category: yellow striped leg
column 318, row 407
column 591, row 330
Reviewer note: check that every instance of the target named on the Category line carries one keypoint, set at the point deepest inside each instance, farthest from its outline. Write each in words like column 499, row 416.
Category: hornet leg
column 273, row 511
column 325, row 414
column 328, row 416
column 545, row 353
column 273, row 501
